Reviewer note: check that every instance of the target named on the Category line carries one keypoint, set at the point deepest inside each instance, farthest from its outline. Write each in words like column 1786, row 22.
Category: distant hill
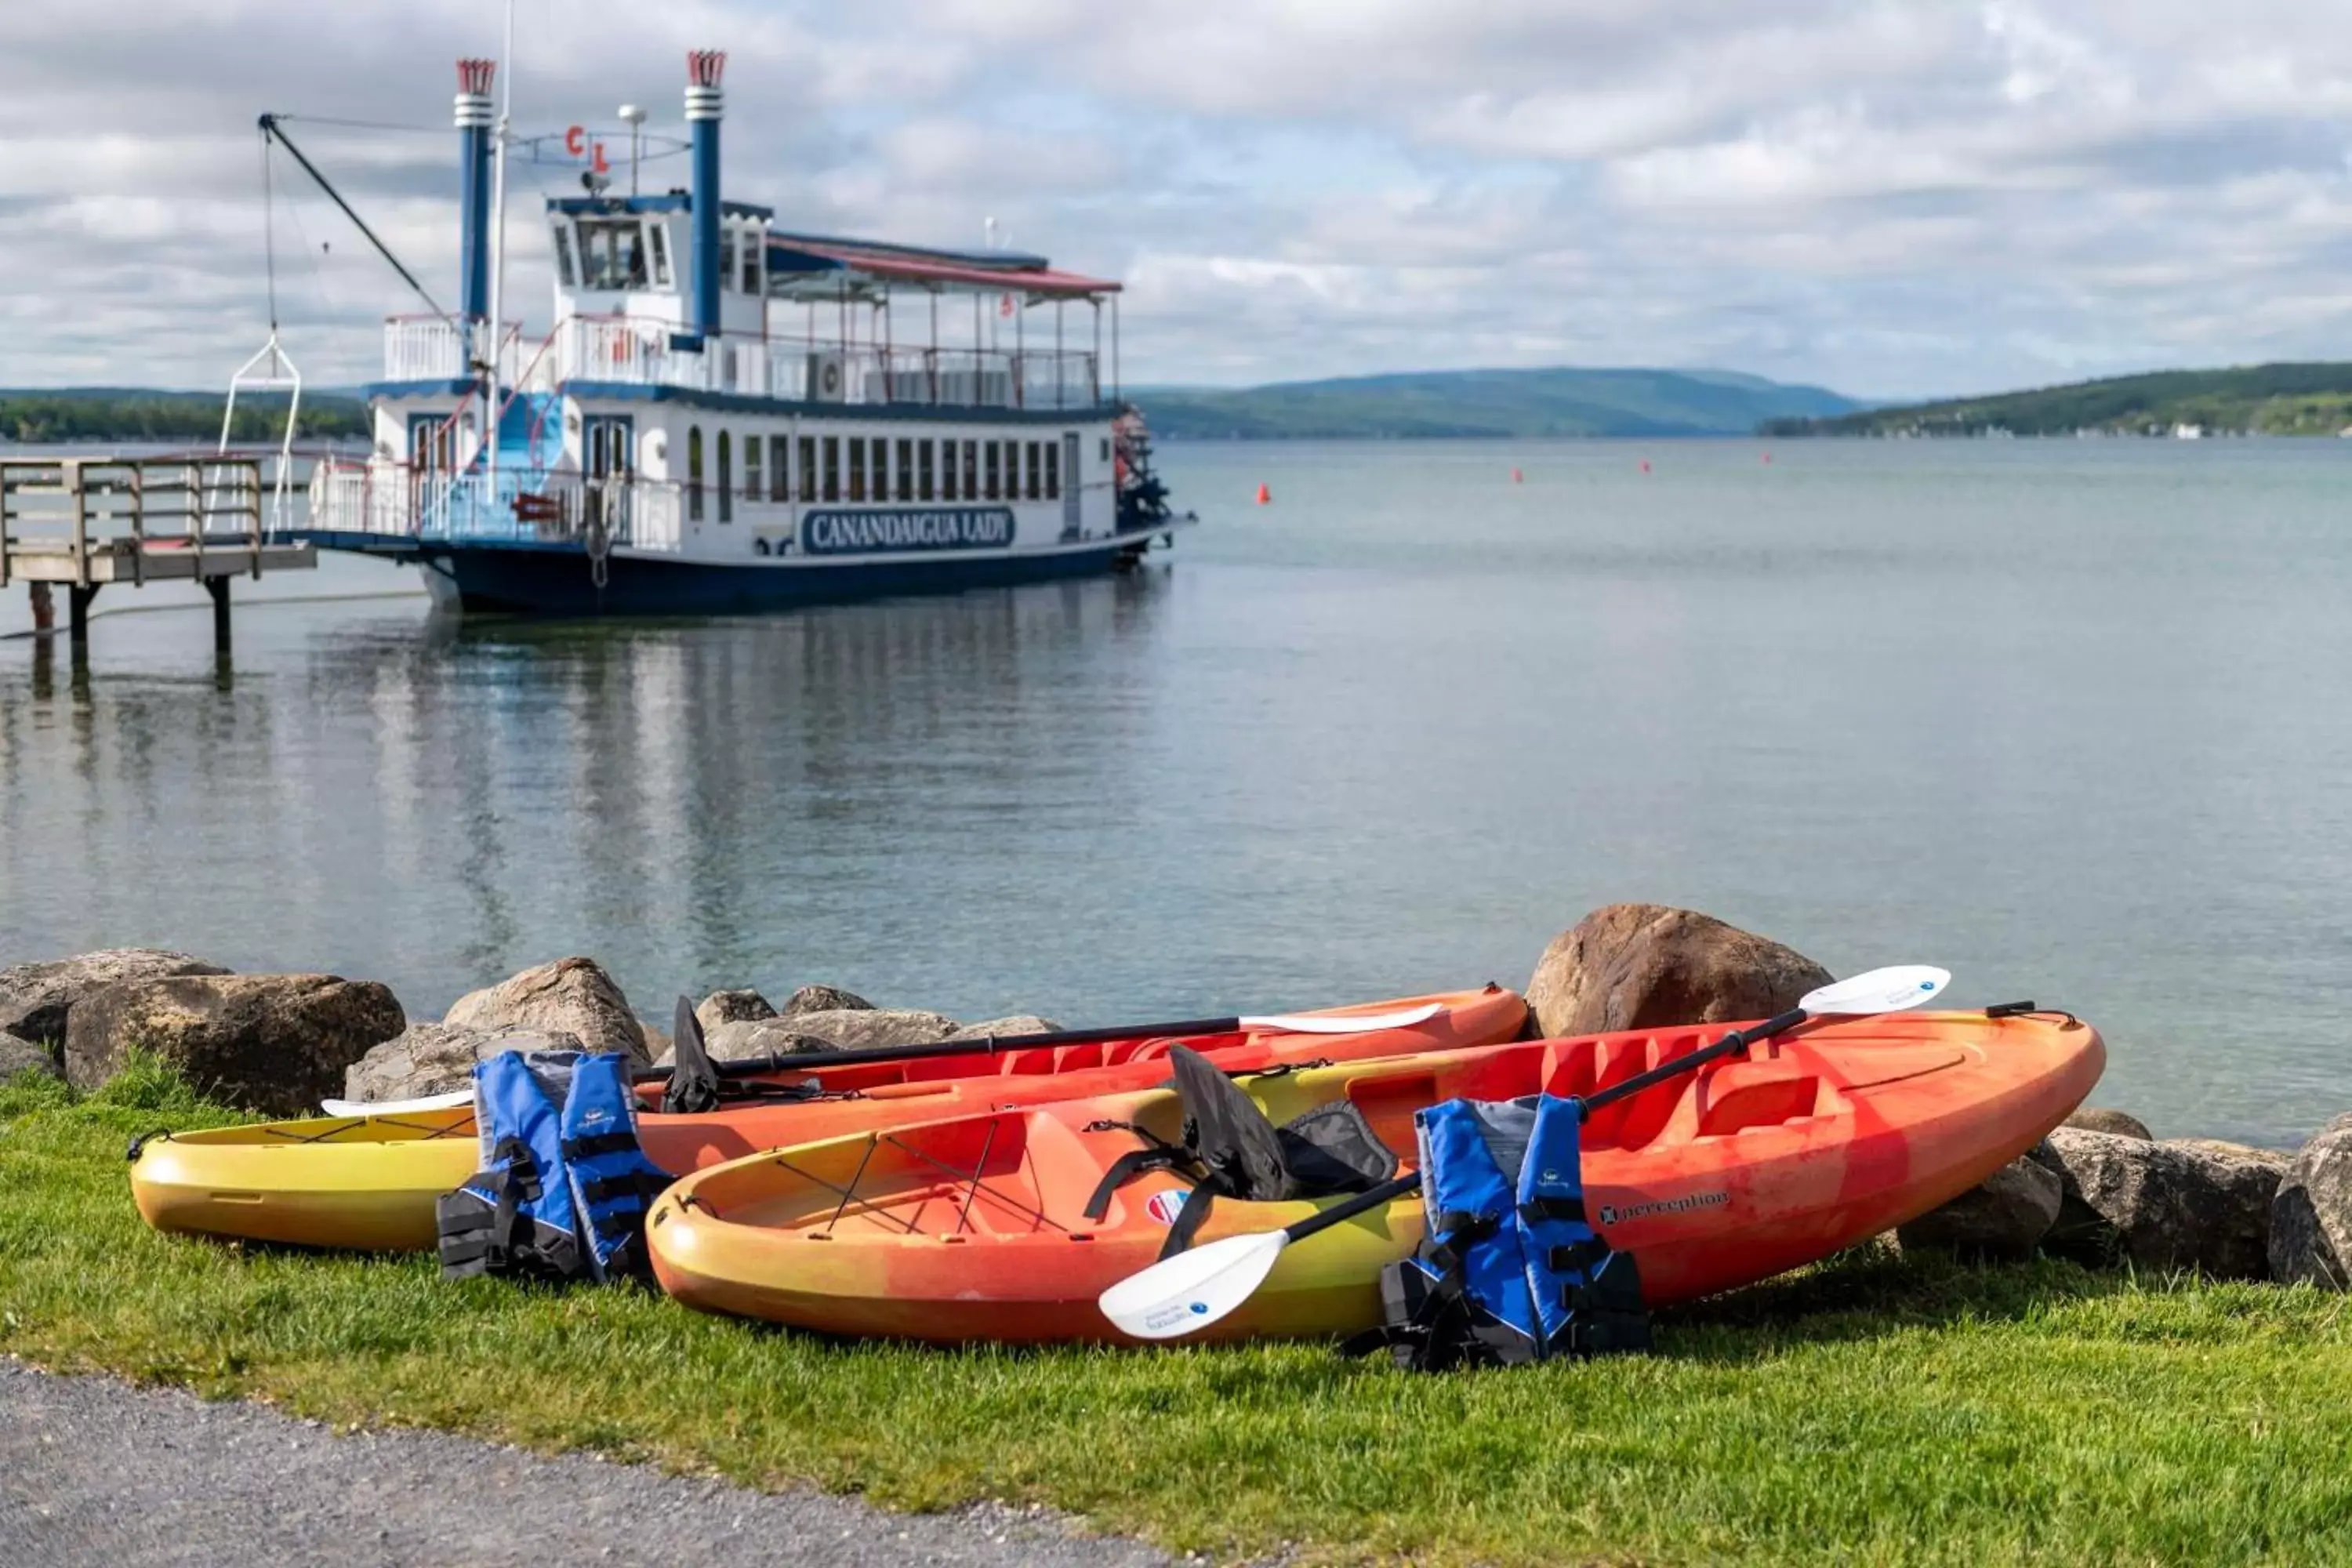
column 2263, row 399
column 134, row 413
column 1475, row 403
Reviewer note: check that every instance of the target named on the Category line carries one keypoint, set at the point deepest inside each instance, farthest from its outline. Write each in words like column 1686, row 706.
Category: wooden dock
column 87, row 522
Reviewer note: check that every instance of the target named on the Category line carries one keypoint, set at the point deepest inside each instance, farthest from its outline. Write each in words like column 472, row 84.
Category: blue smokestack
column 474, row 120
column 704, row 106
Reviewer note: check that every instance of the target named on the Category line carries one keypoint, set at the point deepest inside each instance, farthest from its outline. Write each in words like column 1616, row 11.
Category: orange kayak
column 973, row 1227
column 370, row 1180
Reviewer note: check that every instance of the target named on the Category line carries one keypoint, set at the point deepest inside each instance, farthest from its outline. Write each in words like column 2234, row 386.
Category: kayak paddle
column 1179, row 1295
column 962, row 1045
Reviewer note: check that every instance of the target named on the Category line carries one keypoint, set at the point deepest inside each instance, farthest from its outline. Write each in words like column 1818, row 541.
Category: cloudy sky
column 1893, row 199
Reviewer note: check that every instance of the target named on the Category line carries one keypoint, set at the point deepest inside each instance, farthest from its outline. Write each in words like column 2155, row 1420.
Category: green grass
column 1874, row 1410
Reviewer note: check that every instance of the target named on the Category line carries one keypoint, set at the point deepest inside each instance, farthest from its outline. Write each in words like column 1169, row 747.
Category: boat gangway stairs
column 89, row 521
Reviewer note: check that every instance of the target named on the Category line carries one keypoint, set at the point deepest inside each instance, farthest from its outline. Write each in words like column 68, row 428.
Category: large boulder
column 1640, row 966
column 872, row 1028
column 36, row 999
column 571, row 996
column 2162, row 1206
column 275, row 1043
column 2007, row 1217
column 2311, row 1217
column 749, row 1038
column 2102, row 1119
column 1009, row 1027
column 825, row 999
column 731, row 1008
column 23, row 1055
column 434, row 1058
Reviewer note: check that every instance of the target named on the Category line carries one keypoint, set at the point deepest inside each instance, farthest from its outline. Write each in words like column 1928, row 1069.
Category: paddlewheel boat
column 728, row 415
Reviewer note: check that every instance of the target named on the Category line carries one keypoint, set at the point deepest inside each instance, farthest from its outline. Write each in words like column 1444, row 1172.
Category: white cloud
column 1893, row 197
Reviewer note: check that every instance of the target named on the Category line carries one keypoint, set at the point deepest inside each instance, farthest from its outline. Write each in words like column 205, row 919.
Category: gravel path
column 93, row 1470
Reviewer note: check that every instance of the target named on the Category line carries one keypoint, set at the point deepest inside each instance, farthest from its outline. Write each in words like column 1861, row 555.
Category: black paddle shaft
column 1732, row 1044
column 756, row 1067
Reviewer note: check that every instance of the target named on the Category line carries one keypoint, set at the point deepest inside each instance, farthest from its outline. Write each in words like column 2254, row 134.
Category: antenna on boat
column 633, row 117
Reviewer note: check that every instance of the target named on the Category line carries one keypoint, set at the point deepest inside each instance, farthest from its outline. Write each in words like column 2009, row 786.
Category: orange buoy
column 1646, row 465
column 1517, row 477
column 1767, row 456
column 1264, row 495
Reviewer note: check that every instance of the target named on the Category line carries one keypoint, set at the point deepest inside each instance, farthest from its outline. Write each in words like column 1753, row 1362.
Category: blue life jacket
column 1510, row 1271
column 564, row 1187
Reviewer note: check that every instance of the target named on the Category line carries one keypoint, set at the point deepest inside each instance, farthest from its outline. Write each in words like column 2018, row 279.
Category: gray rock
column 2162, row 1206
column 2117, row 1124
column 434, row 1058
column 1638, row 966
column 274, row 1043
column 825, row 999
column 571, row 995
column 2278, row 1159
column 2005, row 1218
column 36, row 999
column 1007, row 1027
column 870, row 1028
column 750, row 1037
column 23, row 1055
column 2311, row 1217
column 731, row 1008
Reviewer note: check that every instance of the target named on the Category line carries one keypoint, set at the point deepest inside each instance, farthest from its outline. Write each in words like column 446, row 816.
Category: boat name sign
column 898, row 528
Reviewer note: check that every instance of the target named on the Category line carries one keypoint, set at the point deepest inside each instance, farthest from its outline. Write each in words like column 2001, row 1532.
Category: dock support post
column 45, row 606
column 77, row 600
column 218, row 588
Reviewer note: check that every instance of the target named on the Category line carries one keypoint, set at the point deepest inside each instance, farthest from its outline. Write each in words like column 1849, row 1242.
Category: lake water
column 2068, row 717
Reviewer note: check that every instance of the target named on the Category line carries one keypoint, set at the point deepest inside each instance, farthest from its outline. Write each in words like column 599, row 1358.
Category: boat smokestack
column 704, row 106
column 475, row 118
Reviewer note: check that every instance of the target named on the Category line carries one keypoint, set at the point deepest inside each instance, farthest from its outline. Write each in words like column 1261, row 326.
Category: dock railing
column 82, row 511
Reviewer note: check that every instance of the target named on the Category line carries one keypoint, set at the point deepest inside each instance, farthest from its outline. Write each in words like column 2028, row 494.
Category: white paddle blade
column 1192, row 1290
column 449, row 1101
column 1345, row 1023
column 1880, row 991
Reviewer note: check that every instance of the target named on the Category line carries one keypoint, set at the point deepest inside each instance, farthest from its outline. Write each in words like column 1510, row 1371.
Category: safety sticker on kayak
column 1612, row 1215
column 1165, row 1206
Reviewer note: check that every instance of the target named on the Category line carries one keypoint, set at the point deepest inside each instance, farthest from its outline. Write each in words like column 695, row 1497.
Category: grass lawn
column 1874, row 1409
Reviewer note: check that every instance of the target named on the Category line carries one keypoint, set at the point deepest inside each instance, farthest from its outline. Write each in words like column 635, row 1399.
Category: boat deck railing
column 645, row 352
column 393, row 504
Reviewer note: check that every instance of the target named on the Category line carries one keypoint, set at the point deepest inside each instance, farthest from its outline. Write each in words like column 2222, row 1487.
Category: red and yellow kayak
column 972, row 1228
column 370, row 1182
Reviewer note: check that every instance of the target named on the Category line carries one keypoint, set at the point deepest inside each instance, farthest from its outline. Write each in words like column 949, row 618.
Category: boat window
column 726, row 257
column 808, row 467
column 995, row 472
column 564, row 269
column 726, row 478
column 752, row 456
column 779, row 488
column 1036, row 471
column 612, row 253
column 972, row 470
column 857, row 468
column 1052, row 470
column 694, row 473
column 659, row 233
column 906, row 468
column 1105, row 448
column 833, row 467
column 881, row 490
column 923, row 470
column 750, row 263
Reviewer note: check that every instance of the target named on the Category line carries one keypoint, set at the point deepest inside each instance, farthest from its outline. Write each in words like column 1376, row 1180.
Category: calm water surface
column 2069, row 718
